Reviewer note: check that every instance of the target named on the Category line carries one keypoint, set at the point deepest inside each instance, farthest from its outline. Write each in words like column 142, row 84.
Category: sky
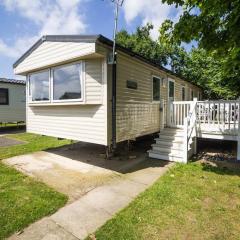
column 23, row 22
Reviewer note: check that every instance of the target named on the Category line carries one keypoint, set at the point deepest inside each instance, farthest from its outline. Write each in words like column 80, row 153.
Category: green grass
column 191, row 201
column 6, row 125
column 33, row 143
column 24, row 200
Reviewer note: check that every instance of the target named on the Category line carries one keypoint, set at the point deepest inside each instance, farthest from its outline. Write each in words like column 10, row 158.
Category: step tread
column 169, row 140
column 164, row 149
column 153, row 154
column 165, row 154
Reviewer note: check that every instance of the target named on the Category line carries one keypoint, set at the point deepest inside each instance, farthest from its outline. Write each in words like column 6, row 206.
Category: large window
column 156, row 89
column 63, row 83
column 39, row 86
column 67, row 82
column 4, row 100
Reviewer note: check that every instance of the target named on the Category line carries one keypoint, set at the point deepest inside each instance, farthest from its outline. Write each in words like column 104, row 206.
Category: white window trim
column 171, row 80
column 154, row 76
column 51, row 100
column 30, row 88
column 81, row 83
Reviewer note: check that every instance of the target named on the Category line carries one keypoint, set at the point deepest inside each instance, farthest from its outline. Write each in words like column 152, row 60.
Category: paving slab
column 144, row 176
column 97, row 205
column 45, row 229
column 127, row 187
column 7, row 142
column 80, row 218
column 107, row 199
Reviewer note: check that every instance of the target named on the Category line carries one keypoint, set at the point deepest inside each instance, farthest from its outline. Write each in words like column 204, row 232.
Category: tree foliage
column 199, row 66
column 215, row 25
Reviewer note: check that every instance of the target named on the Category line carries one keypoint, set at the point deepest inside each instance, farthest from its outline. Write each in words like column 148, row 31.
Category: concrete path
column 84, row 216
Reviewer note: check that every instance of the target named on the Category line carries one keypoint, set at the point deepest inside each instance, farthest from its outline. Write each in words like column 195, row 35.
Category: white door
column 171, row 96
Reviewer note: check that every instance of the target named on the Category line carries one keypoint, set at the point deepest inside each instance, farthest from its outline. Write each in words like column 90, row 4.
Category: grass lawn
column 33, row 143
column 23, row 201
column 6, row 125
column 191, row 201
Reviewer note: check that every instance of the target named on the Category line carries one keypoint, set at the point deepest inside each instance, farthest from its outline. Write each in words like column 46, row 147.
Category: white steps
column 170, row 145
column 168, row 157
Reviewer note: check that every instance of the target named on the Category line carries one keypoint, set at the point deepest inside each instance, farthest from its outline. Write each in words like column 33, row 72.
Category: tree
column 198, row 65
column 141, row 42
column 215, row 24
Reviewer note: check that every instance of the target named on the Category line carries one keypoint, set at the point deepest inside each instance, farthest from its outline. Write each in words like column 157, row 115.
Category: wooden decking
column 200, row 119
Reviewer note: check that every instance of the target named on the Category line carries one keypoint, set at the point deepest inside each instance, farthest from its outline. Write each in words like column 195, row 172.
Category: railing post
column 195, row 126
column 185, row 143
column 238, row 137
column 162, row 114
column 169, row 112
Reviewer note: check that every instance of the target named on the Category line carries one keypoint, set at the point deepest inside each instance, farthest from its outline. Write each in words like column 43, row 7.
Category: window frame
column 50, row 79
column 199, row 96
column 183, row 99
column 159, row 78
column 7, row 96
column 192, row 94
column 29, row 90
column 171, row 80
column 80, row 78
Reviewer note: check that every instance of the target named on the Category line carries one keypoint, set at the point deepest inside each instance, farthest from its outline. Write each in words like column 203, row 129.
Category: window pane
column 183, row 94
column 156, row 89
column 66, row 82
column 39, row 85
column 3, row 96
column 171, row 89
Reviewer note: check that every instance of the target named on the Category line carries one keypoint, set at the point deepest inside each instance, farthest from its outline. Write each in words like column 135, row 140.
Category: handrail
column 188, row 127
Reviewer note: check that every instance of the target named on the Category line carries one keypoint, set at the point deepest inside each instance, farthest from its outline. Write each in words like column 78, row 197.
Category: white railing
column 178, row 111
column 218, row 116
column 196, row 117
column 190, row 128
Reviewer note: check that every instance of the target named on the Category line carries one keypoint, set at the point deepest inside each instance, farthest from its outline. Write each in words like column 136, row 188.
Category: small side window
column 4, row 98
column 199, row 96
column 156, row 88
column 192, row 96
column 183, row 94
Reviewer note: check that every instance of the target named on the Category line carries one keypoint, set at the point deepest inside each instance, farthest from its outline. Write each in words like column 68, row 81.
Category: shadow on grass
column 222, row 168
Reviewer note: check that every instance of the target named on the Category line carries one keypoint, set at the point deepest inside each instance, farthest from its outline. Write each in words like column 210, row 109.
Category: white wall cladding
column 84, row 122
column 137, row 114
column 93, row 81
column 16, row 110
column 50, row 53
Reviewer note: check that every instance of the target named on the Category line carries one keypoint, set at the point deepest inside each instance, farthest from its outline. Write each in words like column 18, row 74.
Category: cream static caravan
column 69, row 90
column 12, row 100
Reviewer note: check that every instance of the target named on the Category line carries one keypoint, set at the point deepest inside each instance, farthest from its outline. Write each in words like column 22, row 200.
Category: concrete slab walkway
column 84, row 216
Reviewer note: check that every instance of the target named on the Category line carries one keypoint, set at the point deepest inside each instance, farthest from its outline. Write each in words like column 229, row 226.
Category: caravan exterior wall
column 84, row 121
column 89, row 118
column 15, row 109
column 138, row 113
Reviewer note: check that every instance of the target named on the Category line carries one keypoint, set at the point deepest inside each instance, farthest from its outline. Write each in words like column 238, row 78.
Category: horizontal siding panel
column 83, row 123
column 137, row 114
column 93, row 80
column 80, row 122
column 49, row 53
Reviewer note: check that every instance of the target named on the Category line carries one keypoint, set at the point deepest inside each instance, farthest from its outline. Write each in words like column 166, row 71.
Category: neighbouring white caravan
column 12, row 100
column 69, row 90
